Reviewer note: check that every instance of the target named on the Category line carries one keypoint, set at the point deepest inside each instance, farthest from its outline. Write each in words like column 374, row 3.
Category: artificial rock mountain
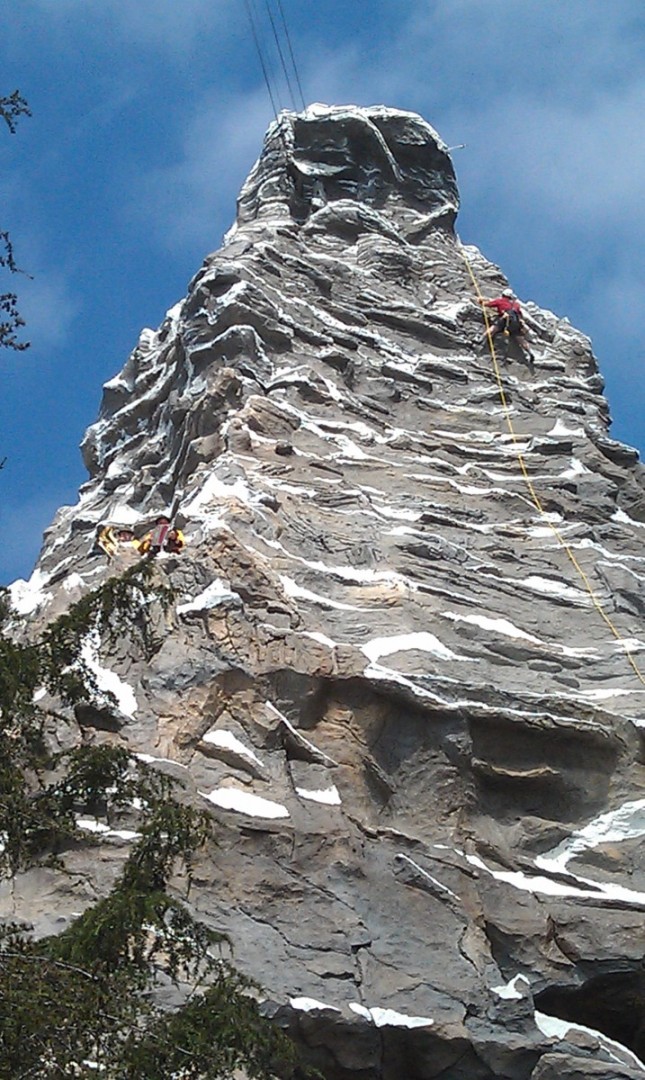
column 421, row 743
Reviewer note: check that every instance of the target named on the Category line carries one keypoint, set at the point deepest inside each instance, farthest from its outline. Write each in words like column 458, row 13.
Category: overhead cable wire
column 291, row 54
column 254, row 22
column 258, row 48
column 271, row 58
column 281, row 55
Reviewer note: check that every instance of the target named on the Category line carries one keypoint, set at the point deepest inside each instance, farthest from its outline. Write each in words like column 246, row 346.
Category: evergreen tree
column 90, row 1001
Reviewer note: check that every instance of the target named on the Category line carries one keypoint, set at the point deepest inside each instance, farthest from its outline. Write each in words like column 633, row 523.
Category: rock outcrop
column 421, row 741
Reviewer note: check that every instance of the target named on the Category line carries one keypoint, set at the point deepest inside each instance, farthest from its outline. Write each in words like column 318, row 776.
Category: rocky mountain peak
column 397, row 673
column 390, row 161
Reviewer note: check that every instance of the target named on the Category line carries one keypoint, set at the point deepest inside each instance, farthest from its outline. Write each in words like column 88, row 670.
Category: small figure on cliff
column 162, row 538
column 129, row 545
column 159, row 533
column 126, row 536
column 153, row 541
column 106, row 540
column 175, row 541
column 509, row 320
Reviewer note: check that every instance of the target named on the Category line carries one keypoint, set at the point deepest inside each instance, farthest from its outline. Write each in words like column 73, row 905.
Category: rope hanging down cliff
column 529, row 483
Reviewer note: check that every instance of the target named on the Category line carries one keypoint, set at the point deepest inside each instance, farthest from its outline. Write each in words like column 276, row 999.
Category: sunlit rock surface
column 421, row 742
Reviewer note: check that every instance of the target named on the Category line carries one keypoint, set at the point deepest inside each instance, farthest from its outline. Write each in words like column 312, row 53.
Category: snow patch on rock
column 27, row 596
column 226, row 740
column 243, row 802
column 328, row 795
column 107, row 681
column 390, row 1017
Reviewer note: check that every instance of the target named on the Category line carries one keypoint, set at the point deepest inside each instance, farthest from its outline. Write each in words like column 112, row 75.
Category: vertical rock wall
column 421, row 742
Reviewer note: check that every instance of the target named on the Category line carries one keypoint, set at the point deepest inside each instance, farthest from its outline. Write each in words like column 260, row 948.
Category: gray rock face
column 420, row 738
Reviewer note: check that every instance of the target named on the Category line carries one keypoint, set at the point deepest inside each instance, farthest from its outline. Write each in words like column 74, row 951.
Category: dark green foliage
column 120, row 608
column 36, row 804
column 5, row 608
column 11, row 108
column 94, row 1000
column 11, row 321
column 92, row 994
column 214, row 1034
column 89, row 1001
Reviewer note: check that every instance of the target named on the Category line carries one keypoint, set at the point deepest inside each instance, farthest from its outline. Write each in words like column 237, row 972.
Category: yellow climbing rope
column 531, row 489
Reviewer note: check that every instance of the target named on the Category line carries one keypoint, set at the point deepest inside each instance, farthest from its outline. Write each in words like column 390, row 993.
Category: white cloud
column 48, row 307
column 583, row 167
column 193, row 200
column 164, row 25
column 550, row 49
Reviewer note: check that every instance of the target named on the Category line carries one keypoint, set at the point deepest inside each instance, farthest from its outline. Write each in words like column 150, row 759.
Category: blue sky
column 147, row 116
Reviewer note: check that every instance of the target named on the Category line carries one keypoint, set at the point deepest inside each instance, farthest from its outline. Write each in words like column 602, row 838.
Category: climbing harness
column 529, row 483
column 512, row 324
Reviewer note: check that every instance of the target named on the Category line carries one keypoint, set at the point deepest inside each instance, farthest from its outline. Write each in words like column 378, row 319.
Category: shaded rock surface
column 422, row 744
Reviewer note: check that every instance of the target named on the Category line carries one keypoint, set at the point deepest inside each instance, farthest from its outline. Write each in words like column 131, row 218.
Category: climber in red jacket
column 509, row 320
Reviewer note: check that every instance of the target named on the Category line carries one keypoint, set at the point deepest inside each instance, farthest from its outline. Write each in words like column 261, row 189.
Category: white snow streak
column 425, row 874
column 297, row 734
column 218, row 592
column 149, row 759
column 305, row 1004
column 390, row 1017
column 72, row 581
column 421, row 642
column 624, row 519
column 26, row 596
column 513, row 990
column 215, row 489
column 324, row 795
column 625, row 823
column 554, row 1028
column 106, row 680
column 226, row 740
column 560, row 428
column 508, row 629
column 243, row 802
column 98, row 827
column 548, row 887
column 293, row 589
column 496, row 626
column 550, row 587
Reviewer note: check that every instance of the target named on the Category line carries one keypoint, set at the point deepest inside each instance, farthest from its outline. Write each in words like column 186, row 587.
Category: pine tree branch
column 47, row 960
column 11, row 108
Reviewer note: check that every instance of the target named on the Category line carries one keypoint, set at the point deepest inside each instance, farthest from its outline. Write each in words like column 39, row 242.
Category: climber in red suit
column 509, row 320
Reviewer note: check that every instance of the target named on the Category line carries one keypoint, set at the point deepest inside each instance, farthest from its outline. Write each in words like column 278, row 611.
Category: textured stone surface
column 421, row 743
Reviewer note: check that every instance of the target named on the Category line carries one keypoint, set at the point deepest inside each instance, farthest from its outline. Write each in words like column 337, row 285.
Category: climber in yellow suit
column 106, row 540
